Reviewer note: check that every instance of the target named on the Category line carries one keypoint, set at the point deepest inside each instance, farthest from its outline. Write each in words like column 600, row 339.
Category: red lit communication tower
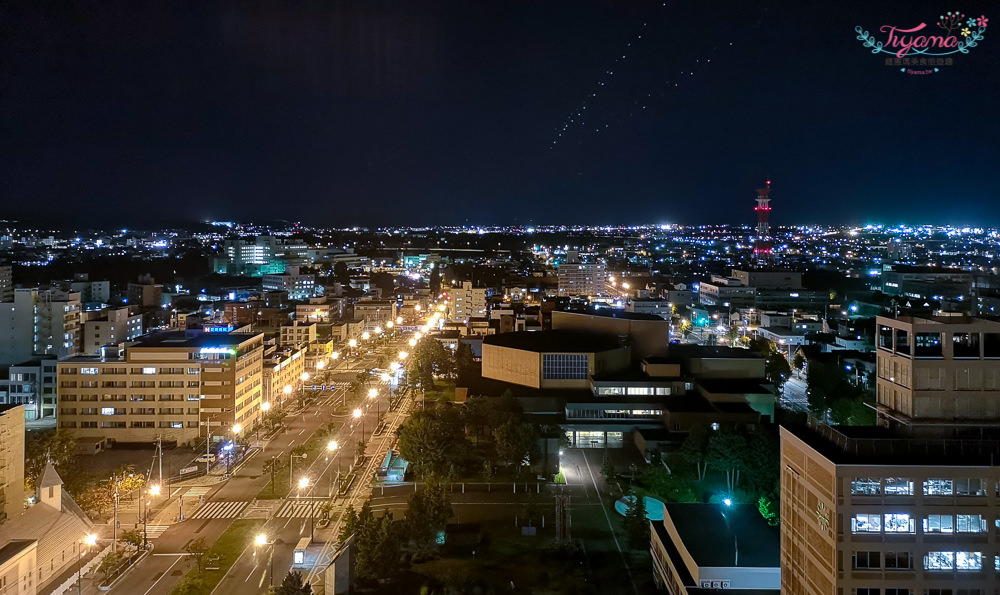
column 762, row 242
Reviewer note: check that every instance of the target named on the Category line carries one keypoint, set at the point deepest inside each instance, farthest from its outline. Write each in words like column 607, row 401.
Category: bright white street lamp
column 365, row 336
column 395, row 366
column 353, row 342
column 403, row 354
column 237, row 428
column 384, row 377
column 320, row 365
column 304, row 376
column 357, row 413
column 287, row 390
column 413, row 342
column 303, row 483
column 265, row 406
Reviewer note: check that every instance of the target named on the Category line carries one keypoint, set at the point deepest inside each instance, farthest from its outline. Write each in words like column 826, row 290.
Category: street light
column 331, row 446
column 335, row 355
column 353, row 343
column 389, row 324
column 303, row 484
column 365, row 336
column 357, row 415
column 399, row 320
column 378, row 330
column 413, row 342
column 373, row 394
column 265, row 406
column 395, row 366
column 260, row 541
column 320, row 365
column 384, row 377
column 403, row 354
column 89, row 540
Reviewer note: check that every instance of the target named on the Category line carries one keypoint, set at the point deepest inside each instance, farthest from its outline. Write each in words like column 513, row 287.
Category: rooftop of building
column 195, row 339
column 558, row 341
column 692, row 351
column 615, row 313
column 873, row 445
column 713, row 533
column 736, row 386
column 944, row 320
column 632, row 375
column 14, row 548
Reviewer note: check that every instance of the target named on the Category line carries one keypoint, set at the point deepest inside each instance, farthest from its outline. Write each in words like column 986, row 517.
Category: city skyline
column 392, row 113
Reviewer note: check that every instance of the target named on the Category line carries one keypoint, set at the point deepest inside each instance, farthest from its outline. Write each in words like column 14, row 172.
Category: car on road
column 206, row 458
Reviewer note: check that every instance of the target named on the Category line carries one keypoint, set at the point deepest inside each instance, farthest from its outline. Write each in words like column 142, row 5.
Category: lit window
column 938, row 523
column 939, row 561
column 149, row 370
column 866, row 486
column 968, row 560
column 866, row 523
column 90, row 371
column 970, row 523
column 898, row 486
column 107, row 410
column 898, row 523
column 939, row 487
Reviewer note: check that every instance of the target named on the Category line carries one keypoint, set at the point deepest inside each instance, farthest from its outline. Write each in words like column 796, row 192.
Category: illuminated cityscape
column 396, row 298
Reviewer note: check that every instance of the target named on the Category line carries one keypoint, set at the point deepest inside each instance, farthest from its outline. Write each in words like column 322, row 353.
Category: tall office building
column 39, row 322
column 911, row 507
column 581, row 278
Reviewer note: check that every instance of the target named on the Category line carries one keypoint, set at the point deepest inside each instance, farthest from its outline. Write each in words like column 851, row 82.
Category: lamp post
column 88, row 540
column 303, row 484
column 358, row 415
column 373, row 394
column 331, row 446
column 291, row 461
column 287, row 392
column 154, row 490
column 261, row 540
column 265, row 407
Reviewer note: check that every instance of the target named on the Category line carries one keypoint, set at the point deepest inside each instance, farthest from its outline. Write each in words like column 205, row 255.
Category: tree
column 465, row 363
column 132, row 537
column 476, row 414
column 196, row 549
column 777, row 370
column 57, row 445
column 694, row 449
column 607, row 469
column 342, row 275
column 435, row 280
column 293, row 585
column 726, row 453
column 110, row 563
column 433, row 439
column 428, row 512
column 636, row 523
column 799, row 361
column 769, row 510
column 362, row 447
column 516, row 442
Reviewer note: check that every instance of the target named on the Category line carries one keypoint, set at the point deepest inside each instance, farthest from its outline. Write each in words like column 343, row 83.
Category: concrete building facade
column 39, row 321
column 11, row 461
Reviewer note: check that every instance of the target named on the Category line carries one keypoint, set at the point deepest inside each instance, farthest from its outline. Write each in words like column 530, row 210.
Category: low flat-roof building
column 715, row 548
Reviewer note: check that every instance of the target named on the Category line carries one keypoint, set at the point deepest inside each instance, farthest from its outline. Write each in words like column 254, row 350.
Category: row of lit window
column 963, row 561
column 902, row 486
column 904, row 591
column 896, row 522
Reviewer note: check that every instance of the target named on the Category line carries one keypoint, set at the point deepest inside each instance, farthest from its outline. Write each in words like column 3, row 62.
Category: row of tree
column 381, row 541
column 435, row 440
column 832, row 392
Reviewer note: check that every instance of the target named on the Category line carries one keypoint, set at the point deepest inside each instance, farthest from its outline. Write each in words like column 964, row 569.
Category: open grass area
column 228, row 547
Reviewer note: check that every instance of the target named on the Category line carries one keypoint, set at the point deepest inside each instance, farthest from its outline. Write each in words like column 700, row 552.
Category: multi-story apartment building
column 11, row 461
column 6, row 283
column 297, row 334
column 146, row 292
column 581, row 278
column 175, row 385
column 864, row 511
column 32, row 384
column 39, row 321
column 469, row 302
column 934, row 371
column 375, row 313
column 300, row 286
column 281, row 376
column 109, row 328
column 253, row 257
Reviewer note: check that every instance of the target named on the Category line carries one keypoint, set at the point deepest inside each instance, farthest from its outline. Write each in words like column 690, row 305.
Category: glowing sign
column 224, row 328
column 219, row 350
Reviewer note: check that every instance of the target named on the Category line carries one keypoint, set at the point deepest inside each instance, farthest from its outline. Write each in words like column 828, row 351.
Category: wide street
column 287, row 519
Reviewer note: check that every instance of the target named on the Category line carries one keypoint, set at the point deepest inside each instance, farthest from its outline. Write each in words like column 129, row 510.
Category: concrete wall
column 648, row 337
column 512, row 365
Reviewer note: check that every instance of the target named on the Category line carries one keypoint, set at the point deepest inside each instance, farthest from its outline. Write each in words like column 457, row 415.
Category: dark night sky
column 412, row 112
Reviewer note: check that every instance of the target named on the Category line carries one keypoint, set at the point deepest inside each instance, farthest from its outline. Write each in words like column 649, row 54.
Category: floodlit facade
column 114, row 327
column 300, row 286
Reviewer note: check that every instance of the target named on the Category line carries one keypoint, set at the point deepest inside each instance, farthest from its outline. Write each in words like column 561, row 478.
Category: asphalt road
column 159, row 573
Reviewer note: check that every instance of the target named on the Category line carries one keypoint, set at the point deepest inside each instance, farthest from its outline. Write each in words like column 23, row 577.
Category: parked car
column 206, row 458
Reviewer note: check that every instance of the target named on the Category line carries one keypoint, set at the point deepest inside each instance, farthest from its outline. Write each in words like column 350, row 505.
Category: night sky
column 388, row 113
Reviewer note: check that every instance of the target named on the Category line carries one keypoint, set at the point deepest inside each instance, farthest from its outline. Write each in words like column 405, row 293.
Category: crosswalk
column 154, row 531
column 220, row 510
column 195, row 491
column 293, row 509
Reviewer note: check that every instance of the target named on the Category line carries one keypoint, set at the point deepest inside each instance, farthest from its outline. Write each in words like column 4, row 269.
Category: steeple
column 50, row 487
